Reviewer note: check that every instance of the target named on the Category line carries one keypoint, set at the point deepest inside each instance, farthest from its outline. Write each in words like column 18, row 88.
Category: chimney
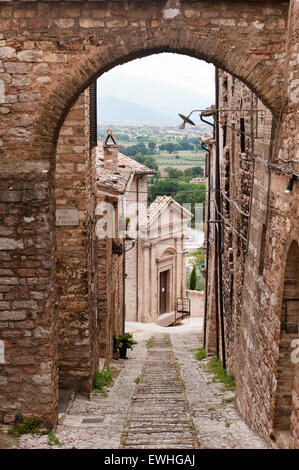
column 110, row 151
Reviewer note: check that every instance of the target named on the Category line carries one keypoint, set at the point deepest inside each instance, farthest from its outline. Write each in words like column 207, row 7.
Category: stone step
column 158, row 417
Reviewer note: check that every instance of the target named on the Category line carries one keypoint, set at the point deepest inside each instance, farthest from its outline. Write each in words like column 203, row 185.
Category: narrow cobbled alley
column 158, row 416
column 162, row 397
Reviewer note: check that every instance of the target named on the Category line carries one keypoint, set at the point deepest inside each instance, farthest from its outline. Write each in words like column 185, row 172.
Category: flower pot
column 123, row 353
column 116, row 355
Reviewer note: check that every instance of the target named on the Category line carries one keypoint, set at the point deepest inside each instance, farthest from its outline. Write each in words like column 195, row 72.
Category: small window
column 242, row 135
column 262, row 251
column 224, row 134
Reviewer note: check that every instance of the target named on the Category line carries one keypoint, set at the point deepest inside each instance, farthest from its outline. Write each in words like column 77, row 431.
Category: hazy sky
column 177, row 69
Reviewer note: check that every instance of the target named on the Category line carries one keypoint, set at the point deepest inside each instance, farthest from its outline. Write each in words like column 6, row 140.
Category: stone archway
column 76, row 79
column 51, row 54
column 287, row 369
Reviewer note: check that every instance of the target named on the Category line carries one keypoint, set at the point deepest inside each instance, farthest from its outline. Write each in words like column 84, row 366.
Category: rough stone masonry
column 50, row 52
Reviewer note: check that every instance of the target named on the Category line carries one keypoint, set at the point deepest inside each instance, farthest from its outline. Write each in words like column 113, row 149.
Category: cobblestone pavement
column 162, row 411
column 218, row 423
column 158, row 417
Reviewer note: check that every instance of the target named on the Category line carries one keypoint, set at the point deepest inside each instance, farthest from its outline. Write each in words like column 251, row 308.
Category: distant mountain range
column 118, row 110
column 124, row 98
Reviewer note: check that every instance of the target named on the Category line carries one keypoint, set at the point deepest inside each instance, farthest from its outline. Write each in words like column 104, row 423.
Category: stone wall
column 74, row 253
column 197, row 302
column 28, row 370
column 260, row 226
column 110, row 286
column 265, row 267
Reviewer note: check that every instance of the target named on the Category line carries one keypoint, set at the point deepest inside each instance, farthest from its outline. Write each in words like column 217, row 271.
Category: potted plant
column 126, row 342
column 127, row 222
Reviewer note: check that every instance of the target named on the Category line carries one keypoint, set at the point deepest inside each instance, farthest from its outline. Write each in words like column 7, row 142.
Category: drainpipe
column 137, row 249
column 208, row 217
column 125, row 250
column 124, row 253
column 253, row 167
column 124, row 287
column 218, row 258
column 207, row 248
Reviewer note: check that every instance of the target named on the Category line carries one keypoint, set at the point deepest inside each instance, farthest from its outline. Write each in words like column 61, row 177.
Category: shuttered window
column 93, row 114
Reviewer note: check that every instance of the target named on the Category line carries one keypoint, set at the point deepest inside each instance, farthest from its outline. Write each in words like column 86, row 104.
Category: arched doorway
column 286, row 367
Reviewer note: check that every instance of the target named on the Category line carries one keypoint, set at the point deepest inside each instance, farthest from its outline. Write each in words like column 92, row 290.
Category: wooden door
column 163, row 292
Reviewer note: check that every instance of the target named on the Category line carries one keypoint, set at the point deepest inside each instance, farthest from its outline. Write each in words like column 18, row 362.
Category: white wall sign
column 2, row 352
column 65, row 217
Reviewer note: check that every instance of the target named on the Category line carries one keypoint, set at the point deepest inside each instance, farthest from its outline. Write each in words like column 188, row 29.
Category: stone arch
column 98, row 52
column 287, row 369
column 100, row 59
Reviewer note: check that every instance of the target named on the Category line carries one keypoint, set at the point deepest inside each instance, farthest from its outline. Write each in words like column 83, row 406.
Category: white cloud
column 177, row 69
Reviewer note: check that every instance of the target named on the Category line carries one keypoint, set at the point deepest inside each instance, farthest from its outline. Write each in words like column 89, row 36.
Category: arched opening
column 287, row 370
column 78, row 324
column 253, row 42
column 89, row 274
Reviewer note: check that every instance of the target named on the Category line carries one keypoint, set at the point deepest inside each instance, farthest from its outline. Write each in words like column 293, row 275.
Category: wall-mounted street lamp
column 186, row 120
column 289, row 189
column 203, row 113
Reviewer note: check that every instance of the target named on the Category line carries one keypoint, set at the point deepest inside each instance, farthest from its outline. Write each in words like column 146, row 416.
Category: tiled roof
column 117, row 179
column 138, row 167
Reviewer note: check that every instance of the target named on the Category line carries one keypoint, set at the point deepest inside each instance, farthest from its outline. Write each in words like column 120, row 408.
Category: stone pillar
column 28, row 363
column 76, row 299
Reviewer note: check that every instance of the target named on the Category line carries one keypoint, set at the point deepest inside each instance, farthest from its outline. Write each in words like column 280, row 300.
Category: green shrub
column 102, row 379
column 200, row 354
column 220, row 375
column 53, row 440
column 30, row 426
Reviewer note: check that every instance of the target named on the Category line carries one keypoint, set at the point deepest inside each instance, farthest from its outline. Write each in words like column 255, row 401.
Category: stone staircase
column 158, row 417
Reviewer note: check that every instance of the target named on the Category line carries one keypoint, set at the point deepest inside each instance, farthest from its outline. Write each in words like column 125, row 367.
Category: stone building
column 156, row 265
column 120, row 187
column 252, row 307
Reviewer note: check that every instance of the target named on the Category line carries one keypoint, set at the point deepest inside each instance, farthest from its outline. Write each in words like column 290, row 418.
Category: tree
column 132, row 150
column 147, row 160
column 197, row 171
column 194, row 171
column 174, row 172
column 193, row 278
column 151, row 145
column 170, row 147
column 197, row 257
column 162, row 187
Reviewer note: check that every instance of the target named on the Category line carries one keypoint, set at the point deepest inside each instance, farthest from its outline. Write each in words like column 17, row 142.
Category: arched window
column 286, row 367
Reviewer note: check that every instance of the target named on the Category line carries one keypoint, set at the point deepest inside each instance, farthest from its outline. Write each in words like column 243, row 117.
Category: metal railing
column 182, row 309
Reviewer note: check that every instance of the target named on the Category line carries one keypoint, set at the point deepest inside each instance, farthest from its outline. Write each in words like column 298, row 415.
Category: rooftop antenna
column 110, row 136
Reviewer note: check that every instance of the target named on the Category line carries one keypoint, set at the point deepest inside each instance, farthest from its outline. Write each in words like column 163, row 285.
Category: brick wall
column 74, row 254
column 28, row 328
column 257, row 274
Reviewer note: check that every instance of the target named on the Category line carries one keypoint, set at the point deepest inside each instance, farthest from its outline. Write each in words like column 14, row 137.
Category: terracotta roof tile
column 117, row 179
